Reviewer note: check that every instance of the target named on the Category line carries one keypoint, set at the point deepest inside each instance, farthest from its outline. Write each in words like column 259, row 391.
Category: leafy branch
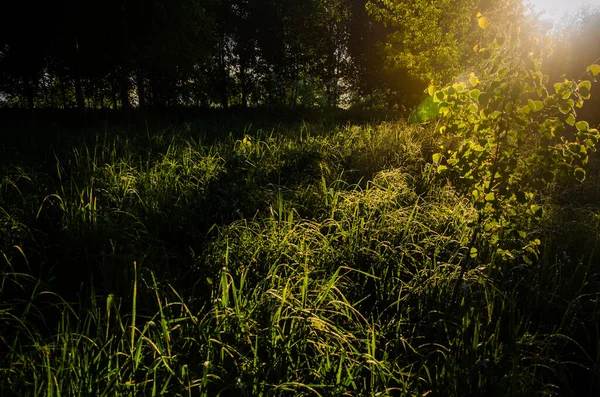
column 517, row 133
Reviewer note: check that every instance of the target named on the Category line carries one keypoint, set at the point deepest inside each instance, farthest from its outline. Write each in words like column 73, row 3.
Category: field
column 254, row 255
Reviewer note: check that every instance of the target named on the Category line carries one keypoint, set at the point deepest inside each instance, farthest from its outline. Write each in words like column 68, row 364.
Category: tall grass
column 309, row 259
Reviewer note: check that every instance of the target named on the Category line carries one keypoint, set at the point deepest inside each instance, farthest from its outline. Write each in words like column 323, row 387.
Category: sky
column 555, row 9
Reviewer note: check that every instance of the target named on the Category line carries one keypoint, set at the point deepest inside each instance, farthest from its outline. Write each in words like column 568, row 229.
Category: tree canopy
column 119, row 54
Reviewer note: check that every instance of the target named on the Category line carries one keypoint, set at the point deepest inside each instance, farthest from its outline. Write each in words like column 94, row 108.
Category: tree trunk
column 224, row 96
column 157, row 95
column 243, row 82
column 141, row 91
column 125, row 105
column 28, row 92
column 124, row 75
column 63, row 93
column 223, row 72
column 113, row 92
column 79, row 98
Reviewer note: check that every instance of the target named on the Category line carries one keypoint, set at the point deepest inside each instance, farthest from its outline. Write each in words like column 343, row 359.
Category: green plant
column 517, row 134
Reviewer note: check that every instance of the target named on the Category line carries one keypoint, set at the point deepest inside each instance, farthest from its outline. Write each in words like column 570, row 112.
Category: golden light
column 556, row 10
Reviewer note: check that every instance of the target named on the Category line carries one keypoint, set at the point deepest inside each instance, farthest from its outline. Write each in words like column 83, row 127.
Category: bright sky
column 555, row 9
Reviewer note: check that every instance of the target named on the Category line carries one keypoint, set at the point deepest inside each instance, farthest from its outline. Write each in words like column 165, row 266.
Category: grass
column 303, row 258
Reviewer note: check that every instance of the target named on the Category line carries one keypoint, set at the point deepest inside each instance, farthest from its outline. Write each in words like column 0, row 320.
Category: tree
column 516, row 134
column 23, row 49
column 428, row 42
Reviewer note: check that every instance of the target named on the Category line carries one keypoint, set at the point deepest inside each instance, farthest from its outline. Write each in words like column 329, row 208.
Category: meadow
column 230, row 255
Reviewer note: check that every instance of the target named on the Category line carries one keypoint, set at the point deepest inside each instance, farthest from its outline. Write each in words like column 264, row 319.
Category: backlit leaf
column 594, row 69
column 584, row 89
column 483, row 22
column 525, row 109
column 536, row 210
column 582, row 126
column 584, row 84
column 473, row 252
column 431, row 90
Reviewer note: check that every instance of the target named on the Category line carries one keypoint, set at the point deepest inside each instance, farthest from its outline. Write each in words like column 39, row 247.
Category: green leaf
column 557, row 87
column 594, row 69
column 579, row 174
column 473, row 252
column 582, row 126
column 436, row 158
column 584, row 89
column 536, row 210
column 550, row 101
column 584, row 84
column 564, row 107
column 585, row 94
column 576, row 148
column 525, row 109
column 490, row 197
column 537, row 106
column 483, row 22
column 475, row 94
column 570, row 119
column 473, row 80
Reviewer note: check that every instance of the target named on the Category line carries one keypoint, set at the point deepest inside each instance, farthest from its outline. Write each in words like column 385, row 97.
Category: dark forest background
column 122, row 54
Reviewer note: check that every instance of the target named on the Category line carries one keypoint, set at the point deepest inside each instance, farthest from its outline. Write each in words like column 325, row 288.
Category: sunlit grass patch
column 309, row 260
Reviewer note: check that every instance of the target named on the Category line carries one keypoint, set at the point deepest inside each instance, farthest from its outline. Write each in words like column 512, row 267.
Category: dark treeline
column 119, row 54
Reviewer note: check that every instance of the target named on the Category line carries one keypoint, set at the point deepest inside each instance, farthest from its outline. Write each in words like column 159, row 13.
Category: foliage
column 429, row 42
column 174, row 53
column 517, row 133
column 186, row 53
column 427, row 36
column 305, row 258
